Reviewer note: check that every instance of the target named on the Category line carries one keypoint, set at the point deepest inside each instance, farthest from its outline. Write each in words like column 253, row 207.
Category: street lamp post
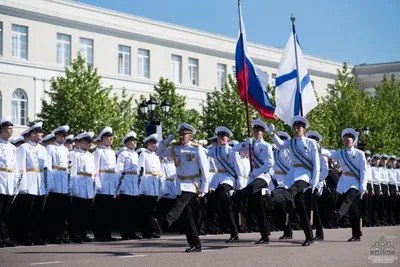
column 149, row 108
column 361, row 143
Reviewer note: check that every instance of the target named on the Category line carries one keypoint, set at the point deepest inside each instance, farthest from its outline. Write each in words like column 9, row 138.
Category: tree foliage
column 79, row 100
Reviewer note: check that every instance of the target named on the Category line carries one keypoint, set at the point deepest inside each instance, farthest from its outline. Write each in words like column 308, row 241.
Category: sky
column 352, row 31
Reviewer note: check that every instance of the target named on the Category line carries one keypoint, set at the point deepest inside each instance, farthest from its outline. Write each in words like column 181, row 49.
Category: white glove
column 169, row 139
column 248, row 141
column 362, row 192
column 271, row 129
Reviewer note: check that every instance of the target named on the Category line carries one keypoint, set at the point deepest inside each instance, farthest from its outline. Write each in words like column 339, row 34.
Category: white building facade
column 38, row 38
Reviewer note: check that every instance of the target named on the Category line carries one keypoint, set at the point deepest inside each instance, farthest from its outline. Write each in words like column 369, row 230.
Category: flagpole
column 293, row 19
column 246, row 94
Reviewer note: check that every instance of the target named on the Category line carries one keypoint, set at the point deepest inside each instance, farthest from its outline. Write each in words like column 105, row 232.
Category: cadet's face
column 376, row 162
column 131, row 144
column 298, row 130
column 36, row 137
column 348, row 141
column 383, row 162
column 223, row 140
column 214, row 143
column 69, row 146
column 7, row 132
column 185, row 138
column 257, row 133
column 151, row 146
column 50, row 142
column 85, row 145
column 60, row 138
column 108, row 140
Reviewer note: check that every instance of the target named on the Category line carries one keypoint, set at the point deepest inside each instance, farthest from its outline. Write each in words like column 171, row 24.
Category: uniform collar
column 302, row 138
column 259, row 140
column 57, row 143
column 350, row 149
column 32, row 143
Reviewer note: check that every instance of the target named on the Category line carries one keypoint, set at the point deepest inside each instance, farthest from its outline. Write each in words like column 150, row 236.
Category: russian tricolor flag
column 249, row 78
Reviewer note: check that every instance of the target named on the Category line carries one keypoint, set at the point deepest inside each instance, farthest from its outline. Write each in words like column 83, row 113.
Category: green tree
column 78, row 100
column 165, row 91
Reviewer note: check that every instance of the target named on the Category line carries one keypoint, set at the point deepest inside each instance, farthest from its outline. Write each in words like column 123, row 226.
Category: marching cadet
column 304, row 171
column 260, row 177
column 17, row 141
column 376, row 186
column 226, row 176
column 243, row 163
column 282, row 164
column 392, row 175
column 192, row 170
column 128, row 191
column 352, row 183
column 85, row 183
column 48, row 140
column 150, row 183
column 384, row 195
column 8, row 179
column 32, row 161
column 319, row 235
column 58, row 202
column 105, row 163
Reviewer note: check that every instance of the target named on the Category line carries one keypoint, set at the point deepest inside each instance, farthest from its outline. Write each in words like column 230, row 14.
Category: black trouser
column 374, row 206
column 391, row 207
column 298, row 196
column 15, row 226
column 128, row 212
column 149, row 224
column 81, row 210
column 349, row 203
column 31, row 216
column 383, row 204
column 5, row 204
column 241, row 214
column 103, row 211
column 283, row 220
column 316, row 215
column 397, row 210
column 221, row 196
column 253, row 192
column 56, row 211
column 324, row 206
column 334, row 203
column 366, row 206
column 187, row 203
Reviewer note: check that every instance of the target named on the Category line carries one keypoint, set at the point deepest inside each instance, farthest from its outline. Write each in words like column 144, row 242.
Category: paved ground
column 168, row 251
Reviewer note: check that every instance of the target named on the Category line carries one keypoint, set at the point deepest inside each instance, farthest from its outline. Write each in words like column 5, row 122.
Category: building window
column 273, row 79
column 124, row 60
column 221, row 71
column 19, row 107
column 193, row 71
column 1, row 38
column 144, row 63
column 330, row 86
column 176, row 68
column 63, row 49
column 86, row 50
column 19, row 39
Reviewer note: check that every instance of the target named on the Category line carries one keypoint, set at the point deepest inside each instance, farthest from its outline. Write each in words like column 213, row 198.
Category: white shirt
column 8, row 168
column 384, row 175
column 85, row 182
column 151, row 181
column 192, row 166
column 169, row 182
column 308, row 148
column 58, row 168
column 105, row 169
column 224, row 155
column 357, row 157
column 263, row 151
column 128, row 162
column 32, row 159
column 392, row 176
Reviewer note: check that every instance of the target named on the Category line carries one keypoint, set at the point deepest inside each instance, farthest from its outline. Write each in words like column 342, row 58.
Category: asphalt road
column 168, row 251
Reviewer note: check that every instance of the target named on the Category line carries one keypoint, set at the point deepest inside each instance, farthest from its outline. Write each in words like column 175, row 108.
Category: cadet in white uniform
column 304, row 171
column 8, row 179
column 192, row 170
column 150, row 186
column 85, row 183
column 32, row 161
column 384, row 196
column 58, row 203
column 105, row 164
column 376, row 184
column 260, row 177
column 127, row 164
column 352, row 183
column 226, row 176
column 319, row 235
column 392, row 175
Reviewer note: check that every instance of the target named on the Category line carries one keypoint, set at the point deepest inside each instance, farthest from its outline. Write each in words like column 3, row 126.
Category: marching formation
column 52, row 186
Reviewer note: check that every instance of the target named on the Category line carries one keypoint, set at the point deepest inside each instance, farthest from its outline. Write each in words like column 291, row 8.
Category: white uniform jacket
column 224, row 156
column 32, row 161
column 8, row 168
column 58, row 168
column 127, row 162
column 169, row 182
column 151, row 181
column 105, row 169
column 192, row 166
